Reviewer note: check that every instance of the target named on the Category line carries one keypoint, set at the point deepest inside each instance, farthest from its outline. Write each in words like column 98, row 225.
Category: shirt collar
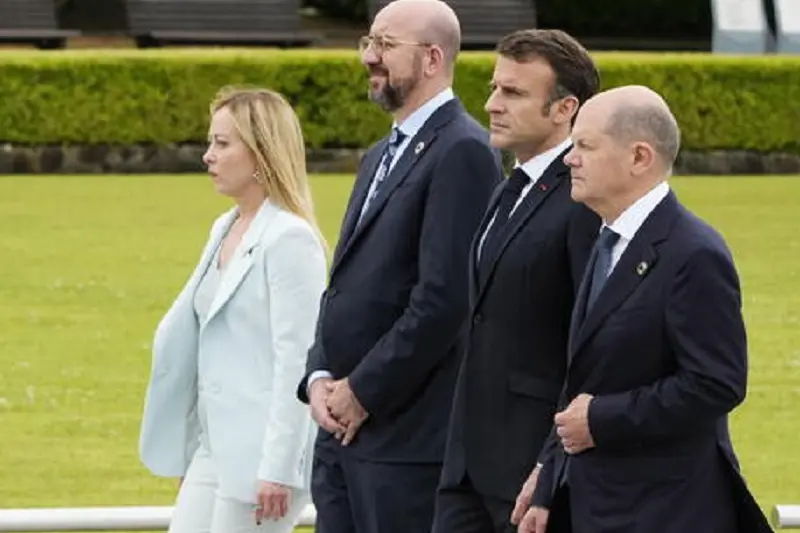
column 629, row 222
column 414, row 122
column 535, row 167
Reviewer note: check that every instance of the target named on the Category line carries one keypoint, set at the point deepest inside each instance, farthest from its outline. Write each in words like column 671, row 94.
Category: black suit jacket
column 516, row 359
column 664, row 353
column 392, row 318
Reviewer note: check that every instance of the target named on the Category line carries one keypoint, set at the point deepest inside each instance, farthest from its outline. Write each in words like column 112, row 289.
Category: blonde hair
column 270, row 128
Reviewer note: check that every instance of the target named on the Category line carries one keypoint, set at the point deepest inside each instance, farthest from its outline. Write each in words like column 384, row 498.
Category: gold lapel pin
column 642, row 267
column 420, row 146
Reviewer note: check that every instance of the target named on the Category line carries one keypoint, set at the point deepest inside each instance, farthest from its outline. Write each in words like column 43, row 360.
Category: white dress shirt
column 628, row 223
column 414, row 122
column 410, row 127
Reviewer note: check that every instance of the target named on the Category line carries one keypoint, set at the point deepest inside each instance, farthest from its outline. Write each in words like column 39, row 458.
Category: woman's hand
column 273, row 501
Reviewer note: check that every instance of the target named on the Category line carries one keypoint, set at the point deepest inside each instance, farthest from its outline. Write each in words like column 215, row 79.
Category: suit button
column 332, row 292
column 477, row 319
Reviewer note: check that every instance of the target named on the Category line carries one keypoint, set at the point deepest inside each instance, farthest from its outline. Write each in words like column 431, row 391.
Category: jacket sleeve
column 296, row 270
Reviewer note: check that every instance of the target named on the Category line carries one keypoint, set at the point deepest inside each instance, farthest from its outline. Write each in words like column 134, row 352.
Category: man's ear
column 566, row 109
column 644, row 158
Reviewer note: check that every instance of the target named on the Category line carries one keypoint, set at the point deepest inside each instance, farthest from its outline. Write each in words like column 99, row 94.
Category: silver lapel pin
column 420, row 146
column 642, row 267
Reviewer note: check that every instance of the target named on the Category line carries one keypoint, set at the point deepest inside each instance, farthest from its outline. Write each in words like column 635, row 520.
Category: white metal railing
column 157, row 518
column 102, row 519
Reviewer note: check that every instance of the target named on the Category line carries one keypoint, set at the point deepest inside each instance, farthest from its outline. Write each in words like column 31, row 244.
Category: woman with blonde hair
column 220, row 409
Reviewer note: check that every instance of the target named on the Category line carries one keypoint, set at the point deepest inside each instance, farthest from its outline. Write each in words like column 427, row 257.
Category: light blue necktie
column 395, row 140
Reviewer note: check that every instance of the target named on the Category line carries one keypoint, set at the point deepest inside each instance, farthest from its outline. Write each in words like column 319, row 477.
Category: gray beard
column 388, row 98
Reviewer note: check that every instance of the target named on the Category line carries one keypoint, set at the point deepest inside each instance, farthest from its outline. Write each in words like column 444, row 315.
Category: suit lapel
column 552, row 178
column 413, row 152
column 637, row 262
column 579, row 307
column 476, row 241
column 242, row 260
column 211, row 250
column 360, row 190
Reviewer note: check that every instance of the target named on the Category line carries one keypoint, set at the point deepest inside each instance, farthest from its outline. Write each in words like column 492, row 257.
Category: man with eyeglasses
column 381, row 371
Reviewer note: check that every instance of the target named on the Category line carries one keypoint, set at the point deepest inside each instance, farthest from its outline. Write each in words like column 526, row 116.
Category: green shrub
column 157, row 96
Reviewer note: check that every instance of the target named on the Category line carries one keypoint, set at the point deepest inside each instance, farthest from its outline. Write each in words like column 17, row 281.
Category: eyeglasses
column 382, row 44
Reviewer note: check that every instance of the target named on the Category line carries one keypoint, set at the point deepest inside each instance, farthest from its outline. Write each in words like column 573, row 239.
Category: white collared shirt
column 534, row 168
column 414, row 122
column 628, row 223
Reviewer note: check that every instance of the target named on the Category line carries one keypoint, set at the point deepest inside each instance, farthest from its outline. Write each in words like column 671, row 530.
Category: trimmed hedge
column 157, row 96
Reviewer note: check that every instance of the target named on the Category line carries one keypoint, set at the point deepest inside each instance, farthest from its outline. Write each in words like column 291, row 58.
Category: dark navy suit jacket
column 393, row 315
column 516, row 359
column 664, row 352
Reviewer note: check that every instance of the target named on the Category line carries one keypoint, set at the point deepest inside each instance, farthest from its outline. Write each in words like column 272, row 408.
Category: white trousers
column 199, row 509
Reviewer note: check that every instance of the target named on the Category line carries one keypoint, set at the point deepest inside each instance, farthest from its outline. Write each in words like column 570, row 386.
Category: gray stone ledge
column 184, row 158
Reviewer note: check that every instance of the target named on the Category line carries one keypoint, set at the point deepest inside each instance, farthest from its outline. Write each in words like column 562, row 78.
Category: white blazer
column 245, row 360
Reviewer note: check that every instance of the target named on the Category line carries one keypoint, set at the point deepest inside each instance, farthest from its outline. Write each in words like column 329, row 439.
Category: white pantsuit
column 220, row 407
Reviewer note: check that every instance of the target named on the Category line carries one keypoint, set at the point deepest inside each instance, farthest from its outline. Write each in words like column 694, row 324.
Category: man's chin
column 577, row 191
column 383, row 102
column 499, row 141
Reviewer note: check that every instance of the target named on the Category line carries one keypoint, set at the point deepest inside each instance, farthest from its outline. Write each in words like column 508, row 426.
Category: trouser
column 200, row 509
column 357, row 496
column 461, row 508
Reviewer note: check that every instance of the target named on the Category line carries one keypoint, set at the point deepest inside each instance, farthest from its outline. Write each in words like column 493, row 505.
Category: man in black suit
column 658, row 354
column 526, row 262
column 381, row 372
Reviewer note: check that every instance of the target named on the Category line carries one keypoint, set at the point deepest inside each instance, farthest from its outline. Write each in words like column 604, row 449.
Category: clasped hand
column 572, row 425
column 336, row 409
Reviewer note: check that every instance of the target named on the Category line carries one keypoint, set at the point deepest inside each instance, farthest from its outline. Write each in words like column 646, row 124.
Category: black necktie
column 508, row 197
column 602, row 263
column 395, row 140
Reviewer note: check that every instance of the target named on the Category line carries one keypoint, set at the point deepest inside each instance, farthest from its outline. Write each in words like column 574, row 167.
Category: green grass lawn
column 92, row 262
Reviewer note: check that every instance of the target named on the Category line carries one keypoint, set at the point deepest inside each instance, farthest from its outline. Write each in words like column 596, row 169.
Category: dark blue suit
column 664, row 353
column 515, row 363
column 392, row 319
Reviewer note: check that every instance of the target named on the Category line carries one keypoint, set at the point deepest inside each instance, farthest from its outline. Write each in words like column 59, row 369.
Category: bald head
column 431, row 21
column 638, row 114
